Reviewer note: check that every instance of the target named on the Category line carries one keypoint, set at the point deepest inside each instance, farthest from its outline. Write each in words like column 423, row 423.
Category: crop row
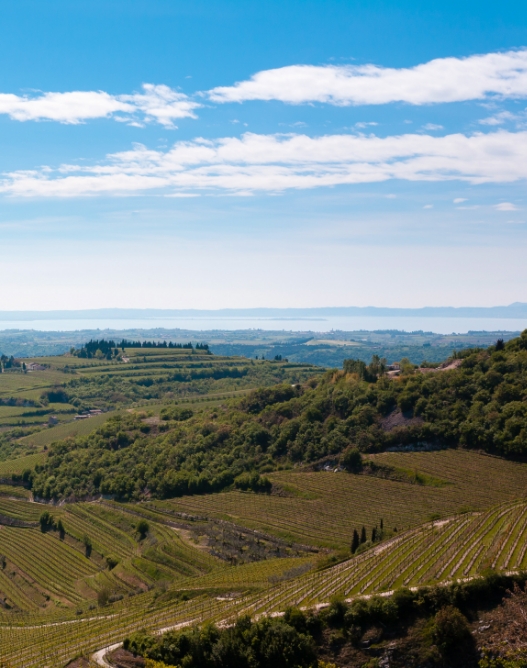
column 438, row 551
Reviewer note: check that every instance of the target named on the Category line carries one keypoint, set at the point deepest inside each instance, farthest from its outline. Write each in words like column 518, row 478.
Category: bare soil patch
column 399, row 419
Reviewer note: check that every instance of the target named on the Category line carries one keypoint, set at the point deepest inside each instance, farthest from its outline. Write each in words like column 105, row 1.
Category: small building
column 33, row 366
column 53, row 420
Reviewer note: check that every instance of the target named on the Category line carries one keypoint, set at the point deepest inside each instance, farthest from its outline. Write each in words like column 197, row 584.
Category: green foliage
column 111, row 561
column 502, row 662
column 451, row 630
column 88, row 546
column 369, row 373
column 46, row 522
column 269, row 643
column 479, row 405
column 433, row 616
column 57, row 395
column 142, row 528
column 355, row 541
column 103, row 597
column 351, row 459
column 253, row 482
column 176, row 413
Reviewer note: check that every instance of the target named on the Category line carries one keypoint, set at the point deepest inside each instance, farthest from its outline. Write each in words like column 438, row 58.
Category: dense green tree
column 46, row 521
column 142, row 528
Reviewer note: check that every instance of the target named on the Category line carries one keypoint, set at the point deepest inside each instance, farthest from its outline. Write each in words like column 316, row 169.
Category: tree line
column 110, row 349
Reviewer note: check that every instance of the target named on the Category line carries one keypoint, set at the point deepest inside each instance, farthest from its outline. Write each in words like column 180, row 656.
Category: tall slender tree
column 355, row 541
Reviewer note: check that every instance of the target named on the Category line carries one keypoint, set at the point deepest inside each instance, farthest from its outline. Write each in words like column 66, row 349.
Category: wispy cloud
column 159, row 104
column 506, row 206
column 432, row 126
column 274, row 163
column 442, row 80
column 458, row 200
column 499, row 118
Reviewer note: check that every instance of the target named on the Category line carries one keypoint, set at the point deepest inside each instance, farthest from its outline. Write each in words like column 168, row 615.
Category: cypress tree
column 374, row 534
column 382, row 524
column 355, row 541
column 363, row 535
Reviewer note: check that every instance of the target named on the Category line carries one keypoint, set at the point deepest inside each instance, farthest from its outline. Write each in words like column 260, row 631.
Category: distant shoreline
column 517, row 310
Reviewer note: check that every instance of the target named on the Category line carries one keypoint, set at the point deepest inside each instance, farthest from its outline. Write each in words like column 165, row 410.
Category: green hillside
column 477, row 402
column 194, row 497
column 39, row 404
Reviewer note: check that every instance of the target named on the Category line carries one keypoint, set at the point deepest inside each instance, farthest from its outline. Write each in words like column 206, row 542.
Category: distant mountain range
column 516, row 310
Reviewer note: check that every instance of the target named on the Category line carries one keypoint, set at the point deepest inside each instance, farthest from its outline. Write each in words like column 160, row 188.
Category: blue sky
column 229, row 154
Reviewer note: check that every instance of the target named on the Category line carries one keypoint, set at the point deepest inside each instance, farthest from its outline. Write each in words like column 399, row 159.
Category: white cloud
column 428, row 206
column 72, row 107
column 364, row 124
column 442, row 80
column 162, row 104
column 432, row 126
column 506, row 206
column 159, row 104
column 458, row 200
column 274, row 163
column 499, row 118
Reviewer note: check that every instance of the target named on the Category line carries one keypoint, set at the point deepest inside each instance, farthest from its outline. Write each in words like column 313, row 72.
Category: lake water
column 322, row 324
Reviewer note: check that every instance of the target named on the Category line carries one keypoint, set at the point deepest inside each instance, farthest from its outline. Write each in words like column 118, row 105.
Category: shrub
column 253, row 482
column 351, row 460
column 103, row 597
column 87, row 546
column 451, row 630
column 111, row 561
column 142, row 528
column 46, row 521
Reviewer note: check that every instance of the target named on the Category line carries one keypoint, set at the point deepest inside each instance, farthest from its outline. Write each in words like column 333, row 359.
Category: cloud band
column 159, row 104
column 441, row 80
column 274, row 163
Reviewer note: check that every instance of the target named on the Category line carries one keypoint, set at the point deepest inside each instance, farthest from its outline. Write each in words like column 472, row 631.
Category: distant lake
column 315, row 324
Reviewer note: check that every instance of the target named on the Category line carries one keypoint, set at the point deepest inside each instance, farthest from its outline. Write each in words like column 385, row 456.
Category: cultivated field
column 175, row 374
column 461, row 547
column 43, row 571
column 322, row 508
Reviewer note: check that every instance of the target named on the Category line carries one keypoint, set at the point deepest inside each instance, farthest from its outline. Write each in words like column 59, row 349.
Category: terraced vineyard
column 323, row 508
column 144, row 377
column 43, row 571
column 461, row 547
column 19, row 464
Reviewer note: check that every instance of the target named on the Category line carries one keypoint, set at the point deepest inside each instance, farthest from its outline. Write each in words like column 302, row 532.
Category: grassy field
column 322, row 508
column 20, row 464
